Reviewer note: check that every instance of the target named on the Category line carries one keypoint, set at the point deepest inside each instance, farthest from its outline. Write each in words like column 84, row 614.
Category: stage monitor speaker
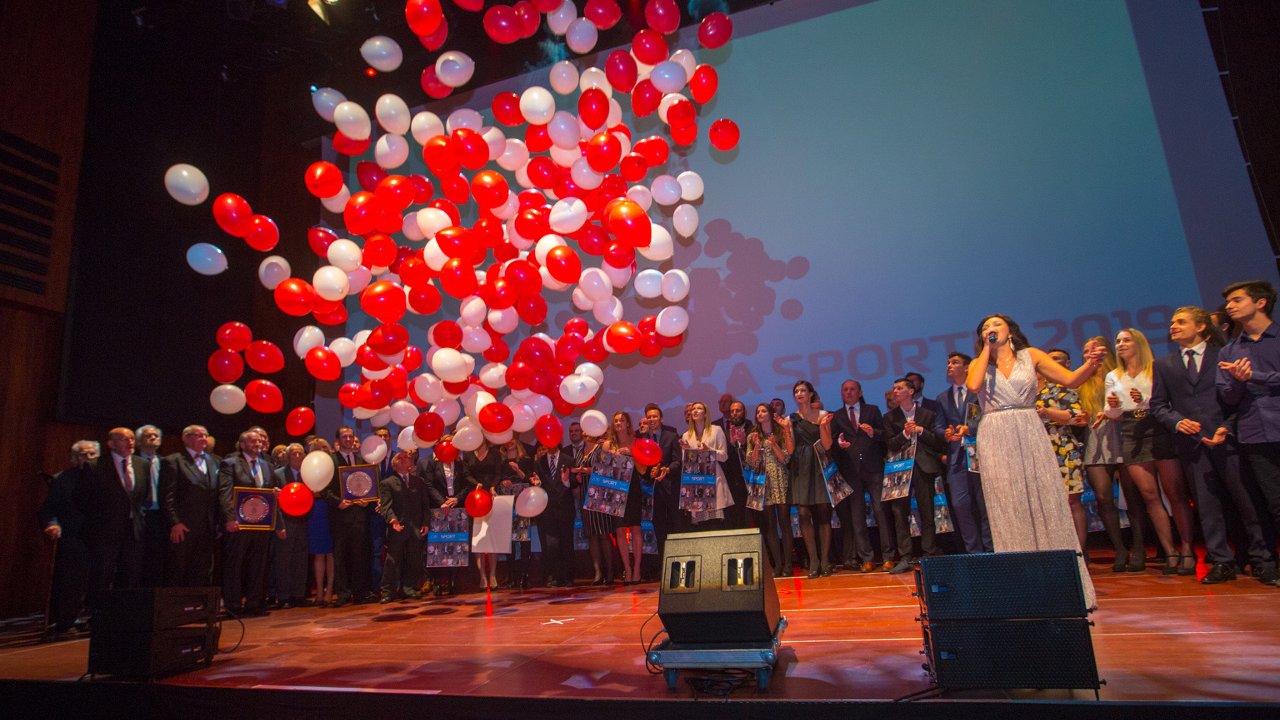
column 152, row 654
column 1040, row 584
column 148, row 609
column 1036, row 653
column 717, row 588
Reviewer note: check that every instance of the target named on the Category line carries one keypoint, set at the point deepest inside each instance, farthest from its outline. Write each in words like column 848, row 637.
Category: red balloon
column 681, row 113
column 623, row 337
column 537, row 139
column 323, row 363
column 428, row 427
column 604, row 14
column 436, row 40
column 396, row 192
column 379, row 251
column 563, row 264
column 422, row 189
column 502, row 25
column 496, row 417
column 593, row 107
column 528, row 17
column 441, row 156
column 388, row 339
column 479, row 503
column 715, row 30
column 654, row 149
column 645, row 98
column 497, row 351
column 662, row 15
column 548, row 430
column 633, row 167
column 412, row 358
column 649, row 47
column 704, row 83
column 367, row 358
column 324, row 179
column 473, row 151
column 724, row 134
column 369, row 174
column 361, row 213
column 506, row 109
column 542, row 172
column 650, row 347
column 431, row 84
column 295, row 297
column 470, row 5
column 320, row 239
column 458, row 278
column 532, row 309
column 546, row 6
column 225, row 366
column 295, row 498
column 629, row 223
column 446, row 333
column 684, row 135
column 234, row 336
column 569, row 348
column 533, row 223
column 489, row 189
column 619, row 255
column 454, row 187
column 603, row 151
column 264, row 357
column 621, row 71
column 337, row 316
column 349, row 395
column 594, row 351
column 445, row 451
column 424, row 16
column 447, row 208
column 349, row 147
column 299, row 421
column 232, row 213
column 425, row 299
column 646, row 452
column 499, row 294
column 264, row 396
column 384, row 300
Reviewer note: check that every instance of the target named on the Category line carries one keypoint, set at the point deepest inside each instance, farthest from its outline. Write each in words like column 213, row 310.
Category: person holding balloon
column 619, row 440
column 519, row 469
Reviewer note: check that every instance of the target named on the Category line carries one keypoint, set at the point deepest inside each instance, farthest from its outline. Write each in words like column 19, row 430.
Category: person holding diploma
column 704, row 435
column 619, row 439
column 809, row 425
column 769, row 448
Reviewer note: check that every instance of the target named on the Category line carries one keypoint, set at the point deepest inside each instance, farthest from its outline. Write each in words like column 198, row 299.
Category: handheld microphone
column 991, row 337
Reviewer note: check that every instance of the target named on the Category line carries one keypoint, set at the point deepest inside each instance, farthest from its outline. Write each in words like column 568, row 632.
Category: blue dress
column 319, row 538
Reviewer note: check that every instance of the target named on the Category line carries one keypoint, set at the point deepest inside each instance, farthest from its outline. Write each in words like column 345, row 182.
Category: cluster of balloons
column 562, row 191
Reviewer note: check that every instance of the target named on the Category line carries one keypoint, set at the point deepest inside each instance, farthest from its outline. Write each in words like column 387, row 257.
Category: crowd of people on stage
column 1012, row 442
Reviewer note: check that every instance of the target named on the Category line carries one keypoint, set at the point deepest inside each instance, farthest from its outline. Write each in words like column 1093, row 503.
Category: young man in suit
column 960, row 416
column 555, row 523
column 405, row 500
column 244, row 572
column 189, row 501
column 112, row 501
column 917, row 382
column 903, row 425
column 349, row 524
column 1184, row 399
column 858, row 451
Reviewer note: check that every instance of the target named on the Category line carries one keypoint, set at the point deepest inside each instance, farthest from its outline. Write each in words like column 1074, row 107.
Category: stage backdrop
column 909, row 165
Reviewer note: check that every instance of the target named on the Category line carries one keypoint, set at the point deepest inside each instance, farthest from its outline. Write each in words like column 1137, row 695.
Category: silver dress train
column 1026, row 503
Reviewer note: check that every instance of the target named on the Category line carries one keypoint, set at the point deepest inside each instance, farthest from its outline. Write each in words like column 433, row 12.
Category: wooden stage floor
column 851, row 637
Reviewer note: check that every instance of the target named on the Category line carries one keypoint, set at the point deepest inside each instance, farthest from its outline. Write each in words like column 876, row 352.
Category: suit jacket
column 233, row 472
column 60, row 504
column 952, row 415
column 934, row 406
column 931, row 442
column 353, row 515
column 1174, row 398
column 865, row 454
column 110, row 513
column 407, row 499
column 187, row 495
column 560, row 505
column 432, row 471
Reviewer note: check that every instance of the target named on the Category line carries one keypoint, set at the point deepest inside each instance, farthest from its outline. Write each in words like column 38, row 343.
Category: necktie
column 853, row 415
column 200, row 464
column 126, row 474
column 1192, row 372
column 551, row 463
column 155, row 483
column 959, row 398
column 257, row 473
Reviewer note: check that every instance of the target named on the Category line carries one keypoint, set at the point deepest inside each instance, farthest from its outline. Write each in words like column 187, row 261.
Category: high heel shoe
column 1122, row 562
column 1170, row 566
column 1139, row 564
column 1187, row 567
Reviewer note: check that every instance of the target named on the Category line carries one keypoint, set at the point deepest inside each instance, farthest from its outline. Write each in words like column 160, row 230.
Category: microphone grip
column 991, row 337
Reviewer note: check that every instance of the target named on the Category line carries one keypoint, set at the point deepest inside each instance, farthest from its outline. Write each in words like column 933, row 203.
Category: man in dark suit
column 289, row 548
column 349, row 524
column 190, row 503
column 858, row 451
column 112, row 501
column 665, row 476
column 405, row 500
column 377, row 525
column 917, row 382
column 960, row 416
column 63, row 523
column 451, row 483
column 904, row 425
column 735, row 426
column 1184, row 399
column 244, row 572
column 155, row 538
column 555, row 524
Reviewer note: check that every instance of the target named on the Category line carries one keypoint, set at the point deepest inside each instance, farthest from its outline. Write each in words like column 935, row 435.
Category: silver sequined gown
column 1021, row 481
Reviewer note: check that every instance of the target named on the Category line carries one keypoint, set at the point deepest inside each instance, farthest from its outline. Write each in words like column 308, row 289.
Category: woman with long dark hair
column 809, row 425
column 769, row 448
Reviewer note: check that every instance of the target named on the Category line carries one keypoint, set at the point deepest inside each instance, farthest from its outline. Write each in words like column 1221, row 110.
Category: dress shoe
column 827, row 571
column 867, row 567
column 340, row 601
column 1269, row 576
column 1220, row 572
column 386, row 598
column 815, row 574
column 888, row 566
column 903, row 566
column 1137, row 560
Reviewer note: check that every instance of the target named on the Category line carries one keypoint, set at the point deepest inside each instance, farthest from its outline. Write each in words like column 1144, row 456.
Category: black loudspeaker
column 153, row 632
column 717, row 588
column 1006, row 620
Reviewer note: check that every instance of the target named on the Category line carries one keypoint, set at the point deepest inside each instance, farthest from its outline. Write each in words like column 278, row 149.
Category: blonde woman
column 703, row 435
column 619, row 439
column 1103, row 456
column 1150, row 464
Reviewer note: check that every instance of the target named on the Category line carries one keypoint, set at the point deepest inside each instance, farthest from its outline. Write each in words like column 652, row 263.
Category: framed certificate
column 256, row 508
column 359, row 483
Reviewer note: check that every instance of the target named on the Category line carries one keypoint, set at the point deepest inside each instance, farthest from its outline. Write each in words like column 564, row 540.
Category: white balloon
column 496, row 140
column 607, row 311
column 618, row 276
column 475, row 339
column 206, row 259
column 425, row 126
column 325, row 100
column 615, row 118
column 508, row 209
column 642, row 195
column 337, row 203
column 394, row 359
column 504, row 321
column 361, row 337
column 668, row 76
column 666, row 190
column 392, row 113
column 591, row 370
column 545, row 243
column 317, row 470
column 493, row 375
column 467, row 436
column 536, row 104
column 501, row 438
column 558, row 20
column 373, row 449
column 540, row 404
column 691, row 185
column 581, row 36
column 464, row 118
column 581, row 300
column 409, row 227
column 532, row 501
column 563, row 130
column 227, row 399
column 568, row 215
column 672, row 321
column 522, row 415
column 330, row 283
column 594, row 77
column 455, row 68
column 594, row 423
column 514, row 156
column 648, row 283
column 449, row 366
column 403, row 413
column 519, row 241
column 584, row 176
column 433, row 220
column 391, row 151
column 578, row 389
column 345, row 254
column 382, row 53
column 448, row 410
column 429, row 388
column 564, row 157
column 405, row 440
column 686, row 60
column 273, row 270
column 352, row 120
column 563, row 77
column 368, row 374
column 471, row 311
column 685, row 219
column 186, row 184
column 363, row 413
column 661, row 246
column 595, row 283
column 345, row 350
column 307, row 337
column 675, row 285
column 358, row 280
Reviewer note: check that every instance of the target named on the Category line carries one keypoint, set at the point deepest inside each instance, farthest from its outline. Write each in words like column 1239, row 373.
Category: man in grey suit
column 244, row 572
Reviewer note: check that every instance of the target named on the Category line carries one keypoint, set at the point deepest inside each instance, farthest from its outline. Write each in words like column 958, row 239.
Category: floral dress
column 777, row 476
column 1066, row 445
